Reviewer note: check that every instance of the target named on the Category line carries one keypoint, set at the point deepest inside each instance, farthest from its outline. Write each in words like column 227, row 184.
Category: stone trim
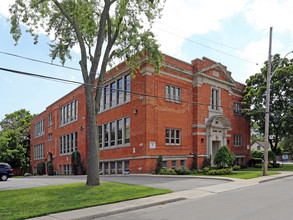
column 199, row 133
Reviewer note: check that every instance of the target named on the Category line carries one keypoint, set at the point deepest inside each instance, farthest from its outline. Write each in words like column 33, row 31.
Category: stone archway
column 217, row 127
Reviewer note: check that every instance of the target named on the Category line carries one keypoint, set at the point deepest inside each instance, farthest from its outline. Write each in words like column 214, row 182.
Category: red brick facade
column 186, row 108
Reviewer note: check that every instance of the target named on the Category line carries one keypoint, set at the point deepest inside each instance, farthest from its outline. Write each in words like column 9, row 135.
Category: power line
column 39, row 61
column 131, row 92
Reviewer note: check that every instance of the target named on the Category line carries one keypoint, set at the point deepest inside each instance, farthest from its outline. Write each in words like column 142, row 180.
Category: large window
column 215, row 99
column 68, row 113
column 173, row 93
column 115, row 93
column 39, row 152
column 68, row 143
column 115, row 133
column 39, row 129
column 237, row 108
column 173, row 136
column 49, row 120
column 238, row 140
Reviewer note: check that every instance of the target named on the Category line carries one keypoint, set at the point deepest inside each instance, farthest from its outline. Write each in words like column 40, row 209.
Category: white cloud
column 188, row 17
column 4, row 7
column 257, row 52
column 263, row 14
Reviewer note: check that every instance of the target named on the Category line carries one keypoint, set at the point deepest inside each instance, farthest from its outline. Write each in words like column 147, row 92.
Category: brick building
column 189, row 107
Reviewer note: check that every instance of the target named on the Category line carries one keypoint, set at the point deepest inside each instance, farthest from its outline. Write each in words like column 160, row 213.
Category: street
column 269, row 200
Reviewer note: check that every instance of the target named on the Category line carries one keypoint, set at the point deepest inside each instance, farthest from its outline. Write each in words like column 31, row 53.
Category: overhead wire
column 86, row 84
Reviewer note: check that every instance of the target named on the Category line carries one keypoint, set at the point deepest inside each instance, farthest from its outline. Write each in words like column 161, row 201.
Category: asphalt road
column 175, row 183
column 266, row 201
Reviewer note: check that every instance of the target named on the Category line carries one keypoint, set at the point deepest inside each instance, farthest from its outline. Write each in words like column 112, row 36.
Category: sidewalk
column 110, row 209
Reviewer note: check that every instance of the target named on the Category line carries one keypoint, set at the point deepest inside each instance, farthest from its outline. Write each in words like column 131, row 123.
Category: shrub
column 200, row 171
column 205, row 170
column 236, row 168
column 76, row 164
column 276, row 165
column 194, row 162
column 41, row 170
column 27, row 174
column 254, row 161
column 159, row 164
column 243, row 166
column 225, row 171
column 259, row 165
column 50, row 169
column 257, row 153
column 165, row 171
column 206, row 162
column 224, row 157
column 183, row 171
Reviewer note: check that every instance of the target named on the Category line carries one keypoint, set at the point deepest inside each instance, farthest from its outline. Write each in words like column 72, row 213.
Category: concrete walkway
column 110, row 209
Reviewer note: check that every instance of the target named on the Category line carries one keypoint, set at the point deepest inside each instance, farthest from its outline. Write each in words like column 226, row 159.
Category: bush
column 276, row 165
column 50, row 169
column 166, row 171
column 243, row 166
column 257, row 153
column 27, row 174
column 205, row 170
column 41, row 170
column 76, row 164
column 254, row 161
column 200, row 171
column 159, row 164
column 206, row 162
column 194, row 162
column 223, row 157
column 183, row 171
column 259, row 165
column 236, row 168
column 225, row 171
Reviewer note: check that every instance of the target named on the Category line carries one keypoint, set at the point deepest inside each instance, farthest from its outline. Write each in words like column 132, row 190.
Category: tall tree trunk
column 93, row 177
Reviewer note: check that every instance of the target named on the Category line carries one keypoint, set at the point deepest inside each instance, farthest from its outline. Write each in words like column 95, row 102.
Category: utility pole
column 267, row 112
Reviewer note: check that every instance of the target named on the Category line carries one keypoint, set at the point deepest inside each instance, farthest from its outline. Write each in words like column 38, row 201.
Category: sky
column 234, row 33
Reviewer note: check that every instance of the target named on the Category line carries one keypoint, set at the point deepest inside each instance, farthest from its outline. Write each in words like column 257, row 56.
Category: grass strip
column 32, row 202
column 248, row 175
column 285, row 167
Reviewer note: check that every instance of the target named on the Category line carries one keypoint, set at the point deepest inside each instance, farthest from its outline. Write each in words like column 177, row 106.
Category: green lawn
column 26, row 203
column 285, row 167
column 241, row 174
column 248, row 175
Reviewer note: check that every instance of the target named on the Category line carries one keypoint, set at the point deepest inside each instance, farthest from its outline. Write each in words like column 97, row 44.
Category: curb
column 276, row 177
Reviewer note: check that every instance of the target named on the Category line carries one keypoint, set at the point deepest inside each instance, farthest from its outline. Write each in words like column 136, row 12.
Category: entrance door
column 215, row 147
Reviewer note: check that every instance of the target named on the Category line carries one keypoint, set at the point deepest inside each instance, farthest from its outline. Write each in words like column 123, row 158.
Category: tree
column 104, row 31
column 224, row 157
column 159, row 164
column 15, row 139
column 281, row 100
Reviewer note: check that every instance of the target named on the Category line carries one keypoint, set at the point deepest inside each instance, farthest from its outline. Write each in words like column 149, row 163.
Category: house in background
column 187, row 108
column 258, row 145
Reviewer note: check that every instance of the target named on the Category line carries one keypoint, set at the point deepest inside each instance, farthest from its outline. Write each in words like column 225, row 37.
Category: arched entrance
column 217, row 127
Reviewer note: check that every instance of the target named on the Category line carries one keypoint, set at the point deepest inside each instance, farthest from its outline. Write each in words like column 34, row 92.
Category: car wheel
column 4, row 177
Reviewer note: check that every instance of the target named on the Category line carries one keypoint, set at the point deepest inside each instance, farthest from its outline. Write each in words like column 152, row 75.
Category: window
column 165, row 164
column 127, row 87
column 68, row 113
column 113, row 94
column 127, row 130
column 106, row 97
column 119, row 132
column 68, row 143
column 49, row 120
column 39, row 151
column 39, row 129
column 100, row 136
column 173, row 93
column 120, row 91
column 50, row 137
column 237, row 107
column 174, row 164
column 238, row 140
column 115, row 133
column 67, row 169
column 106, row 136
column 173, row 136
column 215, row 100
column 182, row 163
column 112, row 133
